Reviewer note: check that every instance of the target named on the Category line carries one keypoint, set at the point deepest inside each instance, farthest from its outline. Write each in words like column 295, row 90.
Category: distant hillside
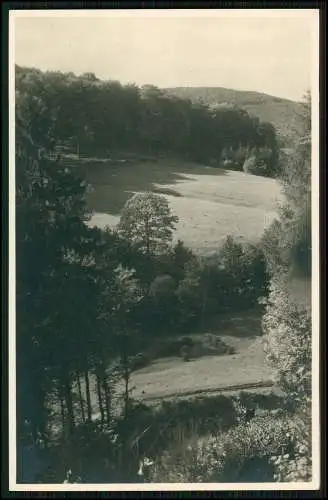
column 284, row 114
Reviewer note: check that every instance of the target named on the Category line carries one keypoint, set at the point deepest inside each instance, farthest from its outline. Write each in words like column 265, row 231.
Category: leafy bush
column 263, row 161
column 250, row 444
column 241, row 454
column 188, row 341
column 299, row 466
column 187, row 347
column 233, row 159
column 164, row 348
column 216, row 343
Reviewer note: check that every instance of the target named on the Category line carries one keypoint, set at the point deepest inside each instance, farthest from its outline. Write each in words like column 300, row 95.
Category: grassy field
column 209, row 202
column 170, row 378
column 246, row 369
column 209, row 374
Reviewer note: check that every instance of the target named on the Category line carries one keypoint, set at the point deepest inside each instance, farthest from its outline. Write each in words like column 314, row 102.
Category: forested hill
column 284, row 114
column 107, row 118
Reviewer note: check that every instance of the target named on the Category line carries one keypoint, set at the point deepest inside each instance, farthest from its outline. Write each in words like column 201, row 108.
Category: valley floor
column 210, row 202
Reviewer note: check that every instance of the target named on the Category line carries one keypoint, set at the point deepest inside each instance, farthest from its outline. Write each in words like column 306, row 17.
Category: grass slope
column 168, row 378
column 173, row 377
column 209, row 202
column 282, row 113
column 247, row 368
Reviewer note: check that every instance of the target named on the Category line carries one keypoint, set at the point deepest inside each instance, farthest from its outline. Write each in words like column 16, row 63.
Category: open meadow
column 173, row 377
column 170, row 377
column 210, row 202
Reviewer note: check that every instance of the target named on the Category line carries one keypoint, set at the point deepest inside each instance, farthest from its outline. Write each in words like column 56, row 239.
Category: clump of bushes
column 164, row 348
column 211, row 345
column 188, row 348
column 264, row 161
column 241, row 454
column 217, row 344
column 297, row 467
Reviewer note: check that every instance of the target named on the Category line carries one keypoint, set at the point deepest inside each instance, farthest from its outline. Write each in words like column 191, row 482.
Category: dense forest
column 89, row 301
column 106, row 118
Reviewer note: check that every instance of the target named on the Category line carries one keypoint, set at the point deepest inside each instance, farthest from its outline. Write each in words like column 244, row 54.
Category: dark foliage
column 105, row 118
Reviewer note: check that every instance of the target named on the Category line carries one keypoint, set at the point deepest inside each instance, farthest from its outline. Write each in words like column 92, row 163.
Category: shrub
column 233, row 159
column 263, row 161
column 166, row 348
column 299, row 466
column 187, row 341
column 241, row 454
column 258, row 439
column 213, row 344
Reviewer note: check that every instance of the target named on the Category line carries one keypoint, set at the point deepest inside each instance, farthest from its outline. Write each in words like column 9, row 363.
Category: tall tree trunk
column 100, row 401
column 81, row 399
column 87, row 390
column 39, row 422
column 106, row 392
column 62, row 411
column 69, row 406
column 126, row 378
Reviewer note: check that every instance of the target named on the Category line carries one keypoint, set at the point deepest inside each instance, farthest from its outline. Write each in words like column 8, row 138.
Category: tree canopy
column 146, row 220
column 107, row 118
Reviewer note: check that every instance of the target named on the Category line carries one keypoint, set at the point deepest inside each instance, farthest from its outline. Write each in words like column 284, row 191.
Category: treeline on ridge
column 107, row 118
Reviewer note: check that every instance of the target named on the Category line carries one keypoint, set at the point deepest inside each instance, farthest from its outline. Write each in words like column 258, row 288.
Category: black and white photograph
column 164, row 250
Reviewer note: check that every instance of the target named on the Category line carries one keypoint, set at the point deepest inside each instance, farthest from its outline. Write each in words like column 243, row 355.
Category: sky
column 267, row 51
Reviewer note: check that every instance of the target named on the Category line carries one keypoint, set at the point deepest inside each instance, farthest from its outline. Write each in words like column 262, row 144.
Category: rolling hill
column 284, row 114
